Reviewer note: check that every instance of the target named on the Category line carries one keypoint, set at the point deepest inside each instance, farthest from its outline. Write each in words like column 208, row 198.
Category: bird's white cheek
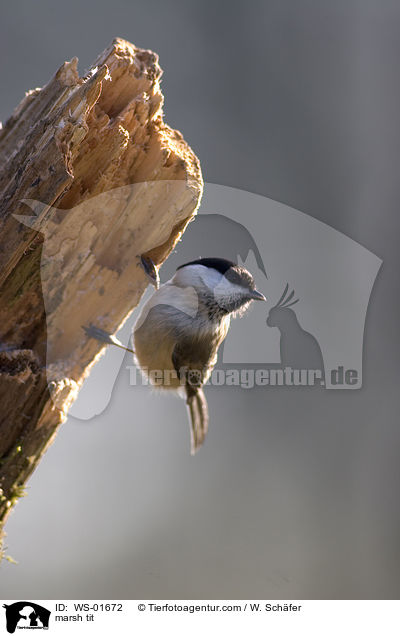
column 230, row 296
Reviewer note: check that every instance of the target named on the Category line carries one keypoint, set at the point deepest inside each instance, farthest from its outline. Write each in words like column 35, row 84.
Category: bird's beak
column 256, row 295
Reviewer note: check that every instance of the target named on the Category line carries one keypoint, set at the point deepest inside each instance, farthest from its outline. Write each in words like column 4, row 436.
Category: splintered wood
column 90, row 179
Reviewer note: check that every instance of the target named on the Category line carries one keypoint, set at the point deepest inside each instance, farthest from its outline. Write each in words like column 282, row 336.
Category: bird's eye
column 232, row 276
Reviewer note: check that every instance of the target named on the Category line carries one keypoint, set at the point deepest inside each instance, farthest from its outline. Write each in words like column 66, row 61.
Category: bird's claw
column 150, row 270
column 98, row 334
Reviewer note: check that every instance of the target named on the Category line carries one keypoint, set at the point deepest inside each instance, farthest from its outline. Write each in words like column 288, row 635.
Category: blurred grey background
column 295, row 494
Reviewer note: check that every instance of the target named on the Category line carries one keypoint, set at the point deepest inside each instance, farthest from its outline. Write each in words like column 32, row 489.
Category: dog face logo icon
column 26, row 615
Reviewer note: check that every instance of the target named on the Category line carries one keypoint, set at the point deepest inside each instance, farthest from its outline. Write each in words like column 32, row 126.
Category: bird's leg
column 150, row 270
column 103, row 336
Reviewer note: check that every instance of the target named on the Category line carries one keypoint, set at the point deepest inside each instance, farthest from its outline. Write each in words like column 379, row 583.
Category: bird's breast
column 158, row 330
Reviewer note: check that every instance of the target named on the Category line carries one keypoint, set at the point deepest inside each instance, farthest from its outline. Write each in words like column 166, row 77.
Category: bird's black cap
column 234, row 273
column 220, row 264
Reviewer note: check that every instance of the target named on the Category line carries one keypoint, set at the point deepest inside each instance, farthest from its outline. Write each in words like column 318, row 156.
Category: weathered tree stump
column 90, row 178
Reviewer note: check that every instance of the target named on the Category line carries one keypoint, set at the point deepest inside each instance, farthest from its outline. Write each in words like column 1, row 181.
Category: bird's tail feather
column 198, row 412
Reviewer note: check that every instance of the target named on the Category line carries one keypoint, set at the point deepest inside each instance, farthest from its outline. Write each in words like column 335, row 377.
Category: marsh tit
column 180, row 328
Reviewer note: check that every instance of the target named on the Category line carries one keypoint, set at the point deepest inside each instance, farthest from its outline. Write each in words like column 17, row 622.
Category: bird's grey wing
column 191, row 372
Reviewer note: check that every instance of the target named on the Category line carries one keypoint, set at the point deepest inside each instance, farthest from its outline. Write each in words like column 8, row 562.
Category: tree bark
column 90, row 178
